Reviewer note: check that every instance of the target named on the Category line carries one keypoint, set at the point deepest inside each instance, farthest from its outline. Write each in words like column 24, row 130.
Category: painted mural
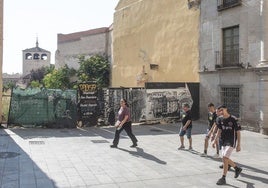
column 147, row 104
column 165, row 103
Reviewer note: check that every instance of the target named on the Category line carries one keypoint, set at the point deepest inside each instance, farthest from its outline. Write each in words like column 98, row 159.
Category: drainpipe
column 264, row 36
column 262, row 69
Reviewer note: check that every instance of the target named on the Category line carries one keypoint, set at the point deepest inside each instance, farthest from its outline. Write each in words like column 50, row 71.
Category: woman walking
column 124, row 123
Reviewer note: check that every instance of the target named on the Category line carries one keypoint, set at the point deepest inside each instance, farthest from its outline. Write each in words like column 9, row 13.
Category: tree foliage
column 37, row 76
column 59, row 78
column 96, row 68
column 8, row 86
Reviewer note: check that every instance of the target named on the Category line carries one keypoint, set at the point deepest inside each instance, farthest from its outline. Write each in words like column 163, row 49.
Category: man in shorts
column 186, row 127
column 229, row 131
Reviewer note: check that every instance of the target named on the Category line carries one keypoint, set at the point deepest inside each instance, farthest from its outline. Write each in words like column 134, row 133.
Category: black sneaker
column 221, row 181
column 113, row 146
column 238, row 170
column 134, row 145
column 229, row 166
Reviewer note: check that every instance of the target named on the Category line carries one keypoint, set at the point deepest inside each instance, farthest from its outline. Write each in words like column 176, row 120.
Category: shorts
column 226, row 151
column 188, row 132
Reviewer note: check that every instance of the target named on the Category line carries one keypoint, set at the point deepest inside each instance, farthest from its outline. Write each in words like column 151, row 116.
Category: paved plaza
column 79, row 158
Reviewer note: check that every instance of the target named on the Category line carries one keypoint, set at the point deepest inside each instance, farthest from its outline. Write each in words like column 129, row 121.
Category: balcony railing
column 225, row 4
column 227, row 59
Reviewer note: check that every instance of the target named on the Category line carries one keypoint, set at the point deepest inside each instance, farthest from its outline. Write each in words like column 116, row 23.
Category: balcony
column 227, row 59
column 225, row 4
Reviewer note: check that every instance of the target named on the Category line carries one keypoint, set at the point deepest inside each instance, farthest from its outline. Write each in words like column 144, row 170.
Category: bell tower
column 34, row 58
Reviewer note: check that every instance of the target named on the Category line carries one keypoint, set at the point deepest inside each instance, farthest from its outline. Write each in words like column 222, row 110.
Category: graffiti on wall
column 165, row 103
column 145, row 104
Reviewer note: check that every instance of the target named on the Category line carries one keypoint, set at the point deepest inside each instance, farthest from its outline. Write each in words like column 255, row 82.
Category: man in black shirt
column 186, row 127
column 229, row 131
column 212, row 116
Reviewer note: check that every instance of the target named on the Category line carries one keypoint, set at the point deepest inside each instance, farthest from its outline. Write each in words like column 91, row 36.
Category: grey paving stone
column 70, row 159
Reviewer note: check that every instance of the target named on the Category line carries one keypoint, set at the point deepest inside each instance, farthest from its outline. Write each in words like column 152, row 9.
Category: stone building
column 154, row 41
column 233, row 59
column 87, row 43
column 34, row 58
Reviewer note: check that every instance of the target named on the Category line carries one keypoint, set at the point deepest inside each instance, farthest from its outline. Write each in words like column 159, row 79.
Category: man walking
column 186, row 127
column 212, row 116
column 229, row 131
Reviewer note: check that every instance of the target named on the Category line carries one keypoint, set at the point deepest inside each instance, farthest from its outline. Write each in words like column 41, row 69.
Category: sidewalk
column 79, row 158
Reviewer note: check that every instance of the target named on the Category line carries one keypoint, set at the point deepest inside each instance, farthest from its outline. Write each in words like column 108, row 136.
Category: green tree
column 35, row 83
column 38, row 75
column 8, row 86
column 59, row 78
column 96, row 68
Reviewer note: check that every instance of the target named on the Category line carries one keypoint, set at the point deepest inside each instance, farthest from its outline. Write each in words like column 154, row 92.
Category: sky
column 27, row 20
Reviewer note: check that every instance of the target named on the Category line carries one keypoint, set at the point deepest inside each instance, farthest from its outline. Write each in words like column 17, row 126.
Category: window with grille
column 225, row 4
column 230, row 96
column 230, row 47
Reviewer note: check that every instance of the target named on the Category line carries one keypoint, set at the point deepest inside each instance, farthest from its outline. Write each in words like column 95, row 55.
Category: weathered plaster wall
column 68, row 51
column 212, row 22
column 164, row 33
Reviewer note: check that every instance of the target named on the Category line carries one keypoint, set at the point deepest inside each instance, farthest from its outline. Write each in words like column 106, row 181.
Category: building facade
column 233, row 59
column 154, row 41
column 86, row 43
column 34, row 58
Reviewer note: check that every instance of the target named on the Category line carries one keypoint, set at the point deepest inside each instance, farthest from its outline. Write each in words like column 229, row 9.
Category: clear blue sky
column 24, row 20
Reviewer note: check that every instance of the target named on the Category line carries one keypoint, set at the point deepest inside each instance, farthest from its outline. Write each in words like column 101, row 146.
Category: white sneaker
column 203, row 155
column 216, row 156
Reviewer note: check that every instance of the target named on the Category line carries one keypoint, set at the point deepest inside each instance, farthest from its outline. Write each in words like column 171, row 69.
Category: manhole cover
column 5, row 155
column 36, row 142
column 156, row 130
column 99, row 141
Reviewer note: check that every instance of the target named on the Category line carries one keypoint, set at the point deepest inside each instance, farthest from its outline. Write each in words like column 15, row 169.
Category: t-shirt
column 185, row 117
column 211, row 119
column 122, row 113
column 229, row 127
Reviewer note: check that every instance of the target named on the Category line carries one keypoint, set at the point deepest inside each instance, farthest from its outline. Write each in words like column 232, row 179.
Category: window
column 44, row 56
column 230, row 96
column 225, row 4
column 230, row 47
column 36, row 56
column 28, row 56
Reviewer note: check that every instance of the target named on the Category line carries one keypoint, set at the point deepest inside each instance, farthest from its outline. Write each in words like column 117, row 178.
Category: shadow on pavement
column 17, row 169
column 140, row 153
column 30, row 133
column 248, row 184
column 255, row 170
column 105, row 132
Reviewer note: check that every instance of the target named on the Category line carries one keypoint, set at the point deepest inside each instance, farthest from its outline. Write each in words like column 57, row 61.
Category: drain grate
column 6, row 155
column 99, row 141
column 36, row 142
column 156, row 130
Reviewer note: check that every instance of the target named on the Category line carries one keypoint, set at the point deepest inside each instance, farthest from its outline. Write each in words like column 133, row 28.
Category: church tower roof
column 36, row 48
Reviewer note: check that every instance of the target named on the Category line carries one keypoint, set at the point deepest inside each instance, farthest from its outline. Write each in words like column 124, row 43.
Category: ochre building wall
column 154, row 41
